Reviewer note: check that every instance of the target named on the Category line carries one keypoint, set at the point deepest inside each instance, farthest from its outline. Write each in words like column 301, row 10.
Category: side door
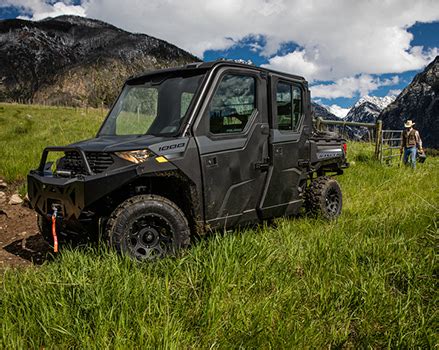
column 290, row 130
column 232, row 137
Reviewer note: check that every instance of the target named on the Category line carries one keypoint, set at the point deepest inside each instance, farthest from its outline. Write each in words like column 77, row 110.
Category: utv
column 188, row 150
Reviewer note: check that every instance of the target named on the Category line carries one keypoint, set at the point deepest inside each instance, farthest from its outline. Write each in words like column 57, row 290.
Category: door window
column 289, row 106
column 233, row 104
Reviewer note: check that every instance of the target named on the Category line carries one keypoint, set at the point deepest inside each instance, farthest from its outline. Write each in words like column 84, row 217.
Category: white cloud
column 351, row 86
column 37, row 9
column 336, row 39
column 255, row 47
column 295, row 62
column 394, row 92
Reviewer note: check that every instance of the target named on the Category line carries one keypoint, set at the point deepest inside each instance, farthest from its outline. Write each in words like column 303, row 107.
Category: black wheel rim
column 150, row 237
column 332, row 202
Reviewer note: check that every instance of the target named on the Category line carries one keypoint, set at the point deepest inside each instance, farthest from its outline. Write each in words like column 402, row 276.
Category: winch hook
column 54, row 235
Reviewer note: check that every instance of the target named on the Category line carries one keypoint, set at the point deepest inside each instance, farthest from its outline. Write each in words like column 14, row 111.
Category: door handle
column 211, row 162
column 265, row 130
column 263, row 166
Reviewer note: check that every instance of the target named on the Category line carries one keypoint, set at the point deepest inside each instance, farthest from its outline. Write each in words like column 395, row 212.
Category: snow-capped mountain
column 338, row 111
column 368, row 108
column 322, row 112
column 381, row 102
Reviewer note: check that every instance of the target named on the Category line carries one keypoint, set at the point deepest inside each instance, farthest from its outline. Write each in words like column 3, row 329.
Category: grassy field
column 26, row 130
column 369, row 279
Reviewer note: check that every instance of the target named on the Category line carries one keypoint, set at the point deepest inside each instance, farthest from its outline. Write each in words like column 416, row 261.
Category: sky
column 345, row 49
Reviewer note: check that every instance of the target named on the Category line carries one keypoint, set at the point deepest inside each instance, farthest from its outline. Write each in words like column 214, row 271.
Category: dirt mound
column 20, row 242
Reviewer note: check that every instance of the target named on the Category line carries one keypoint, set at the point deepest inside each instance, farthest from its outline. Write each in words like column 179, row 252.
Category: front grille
column 98, row 161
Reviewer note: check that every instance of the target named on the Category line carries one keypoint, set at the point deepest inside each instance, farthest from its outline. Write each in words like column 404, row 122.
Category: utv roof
column 210, row 65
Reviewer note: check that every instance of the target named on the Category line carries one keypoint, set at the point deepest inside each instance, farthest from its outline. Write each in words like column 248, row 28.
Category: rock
column 15, row 199
column 3, row 184
column 2, row 197
column 26, row 201
column 419, row 102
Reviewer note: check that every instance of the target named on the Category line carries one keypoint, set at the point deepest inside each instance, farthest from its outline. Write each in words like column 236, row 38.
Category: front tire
column 148, row 227
column 324, row 198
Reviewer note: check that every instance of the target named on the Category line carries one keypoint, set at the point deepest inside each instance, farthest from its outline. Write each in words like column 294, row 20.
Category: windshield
column 156, row 106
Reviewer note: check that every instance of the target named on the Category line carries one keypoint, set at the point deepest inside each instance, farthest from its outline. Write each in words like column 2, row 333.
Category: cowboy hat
column 408, row 124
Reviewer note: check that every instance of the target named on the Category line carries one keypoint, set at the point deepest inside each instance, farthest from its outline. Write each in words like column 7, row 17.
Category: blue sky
column 345, row 48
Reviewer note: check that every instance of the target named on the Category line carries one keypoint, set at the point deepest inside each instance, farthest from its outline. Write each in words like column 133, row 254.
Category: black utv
column 186, row 151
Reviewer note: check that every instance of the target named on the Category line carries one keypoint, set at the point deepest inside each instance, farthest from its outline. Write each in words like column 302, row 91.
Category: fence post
column 319, row 123
column 378, row 131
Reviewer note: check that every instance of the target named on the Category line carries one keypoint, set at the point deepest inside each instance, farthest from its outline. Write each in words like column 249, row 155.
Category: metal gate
column 390, row 143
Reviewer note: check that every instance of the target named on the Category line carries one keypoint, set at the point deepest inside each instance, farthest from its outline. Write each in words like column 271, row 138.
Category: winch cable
column 55, row 237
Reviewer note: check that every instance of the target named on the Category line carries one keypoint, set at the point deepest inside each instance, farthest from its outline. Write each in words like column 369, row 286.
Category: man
column 411, row 141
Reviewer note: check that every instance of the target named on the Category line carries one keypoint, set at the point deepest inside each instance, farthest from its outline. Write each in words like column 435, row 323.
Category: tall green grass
column 25, row 131
column 368, row 279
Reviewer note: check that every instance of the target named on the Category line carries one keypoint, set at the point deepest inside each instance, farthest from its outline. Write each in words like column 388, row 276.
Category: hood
column 119, row 143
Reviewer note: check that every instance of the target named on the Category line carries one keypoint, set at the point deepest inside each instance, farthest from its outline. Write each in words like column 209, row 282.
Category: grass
column 26, row 130
column 367, row 280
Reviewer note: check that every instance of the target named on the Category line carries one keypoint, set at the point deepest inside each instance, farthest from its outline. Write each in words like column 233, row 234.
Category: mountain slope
column 73, row 60
column 420, row 102
column 368, row 108
column 320, row 111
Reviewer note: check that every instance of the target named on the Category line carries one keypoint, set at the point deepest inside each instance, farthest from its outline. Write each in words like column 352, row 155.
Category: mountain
column 338, row 111
column 74, row 60
column 320, row 111
column 368, row 108
column 419, row 101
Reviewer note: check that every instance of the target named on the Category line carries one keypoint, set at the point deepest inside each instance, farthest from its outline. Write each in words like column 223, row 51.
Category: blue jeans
column 410, row 156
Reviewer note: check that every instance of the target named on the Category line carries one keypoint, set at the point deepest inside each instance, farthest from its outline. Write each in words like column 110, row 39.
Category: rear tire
column 323, row 198
column 148, row 227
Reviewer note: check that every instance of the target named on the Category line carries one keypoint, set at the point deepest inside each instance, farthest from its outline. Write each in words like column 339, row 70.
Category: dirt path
column 20, row 242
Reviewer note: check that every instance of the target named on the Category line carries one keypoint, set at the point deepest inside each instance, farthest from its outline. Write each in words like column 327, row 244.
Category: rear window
column 288, row 105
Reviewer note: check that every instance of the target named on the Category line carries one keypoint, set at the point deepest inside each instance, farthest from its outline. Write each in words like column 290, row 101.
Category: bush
column 432, row 152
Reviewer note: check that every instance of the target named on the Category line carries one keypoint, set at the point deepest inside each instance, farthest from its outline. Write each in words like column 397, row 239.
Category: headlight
column 138, row 156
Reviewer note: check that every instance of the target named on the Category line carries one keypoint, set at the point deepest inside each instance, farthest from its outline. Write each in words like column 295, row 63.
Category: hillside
column 75, row 61
column 419, row 101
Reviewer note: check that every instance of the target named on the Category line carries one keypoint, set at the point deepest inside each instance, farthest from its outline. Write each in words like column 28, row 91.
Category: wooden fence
column 375, row 129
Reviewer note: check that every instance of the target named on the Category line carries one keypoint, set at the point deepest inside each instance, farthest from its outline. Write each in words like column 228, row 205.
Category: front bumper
column 72, row 194
column 85, row 191
column 45, row 191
